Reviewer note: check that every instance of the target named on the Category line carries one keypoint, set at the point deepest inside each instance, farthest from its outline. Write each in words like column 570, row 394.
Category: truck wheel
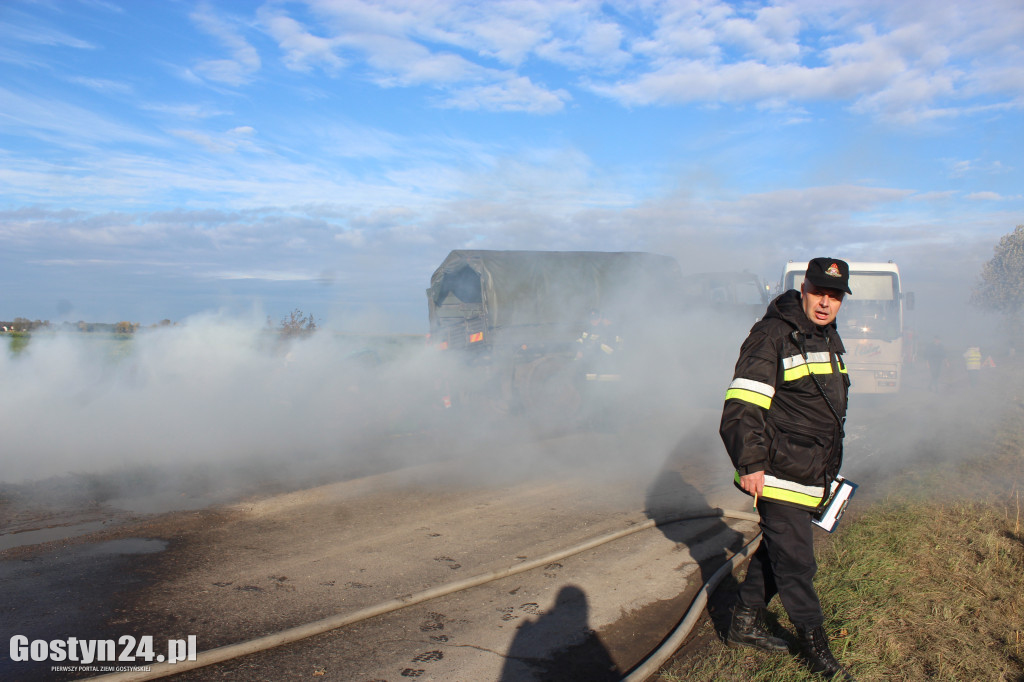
column 550, row 392
column 488, row 395
column 498, row 398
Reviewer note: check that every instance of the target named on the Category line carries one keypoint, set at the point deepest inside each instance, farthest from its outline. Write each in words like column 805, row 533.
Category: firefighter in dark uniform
column 598, row 348
column 782, row 425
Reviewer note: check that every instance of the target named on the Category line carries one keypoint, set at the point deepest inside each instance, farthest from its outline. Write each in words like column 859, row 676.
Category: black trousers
column 784, row 564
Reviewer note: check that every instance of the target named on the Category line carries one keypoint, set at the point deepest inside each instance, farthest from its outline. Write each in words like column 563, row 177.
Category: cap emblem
column 833, row 271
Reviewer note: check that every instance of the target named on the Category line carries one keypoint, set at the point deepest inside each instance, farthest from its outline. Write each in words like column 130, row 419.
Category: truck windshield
column 750, row 292
column 873, row 311
column 463, row 283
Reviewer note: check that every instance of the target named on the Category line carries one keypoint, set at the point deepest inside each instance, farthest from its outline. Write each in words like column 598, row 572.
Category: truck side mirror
column 908, row 300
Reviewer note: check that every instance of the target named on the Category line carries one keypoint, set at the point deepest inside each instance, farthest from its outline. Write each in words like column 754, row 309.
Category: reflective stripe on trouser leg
column 784, row 564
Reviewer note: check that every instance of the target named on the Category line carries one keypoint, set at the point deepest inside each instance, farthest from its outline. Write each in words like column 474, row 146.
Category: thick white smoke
column 216, row 406
column 212, row 395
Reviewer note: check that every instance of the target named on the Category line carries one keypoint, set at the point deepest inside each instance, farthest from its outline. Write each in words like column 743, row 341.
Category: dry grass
column 927, row 591
column 914, row 588
column 914, row 591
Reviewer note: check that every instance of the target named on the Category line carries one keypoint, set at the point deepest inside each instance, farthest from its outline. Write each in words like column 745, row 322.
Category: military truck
column 515, row 326
column 742, row 295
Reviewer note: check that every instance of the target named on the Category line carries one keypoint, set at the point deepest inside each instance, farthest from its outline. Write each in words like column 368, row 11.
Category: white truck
column 871, row 322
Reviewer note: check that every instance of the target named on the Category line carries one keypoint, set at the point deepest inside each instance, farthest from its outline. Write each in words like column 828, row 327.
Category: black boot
column 748, row 628
column 818, row 654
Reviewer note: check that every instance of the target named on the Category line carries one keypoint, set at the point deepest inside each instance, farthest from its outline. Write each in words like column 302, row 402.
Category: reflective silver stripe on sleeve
column 811, row 490
column 755, row 386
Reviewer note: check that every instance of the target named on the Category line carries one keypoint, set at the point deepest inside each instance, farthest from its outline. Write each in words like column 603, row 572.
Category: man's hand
column 753, row 483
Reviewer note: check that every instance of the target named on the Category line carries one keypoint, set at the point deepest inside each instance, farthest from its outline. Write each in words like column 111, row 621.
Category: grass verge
column 914, row 588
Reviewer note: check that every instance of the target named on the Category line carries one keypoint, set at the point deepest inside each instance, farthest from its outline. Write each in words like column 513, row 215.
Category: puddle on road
column 125, row 546
column 117, row 510
column 35, row 537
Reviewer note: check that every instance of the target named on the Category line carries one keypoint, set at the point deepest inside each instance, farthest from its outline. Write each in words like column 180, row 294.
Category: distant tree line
column 23, row 324
column 296, row 324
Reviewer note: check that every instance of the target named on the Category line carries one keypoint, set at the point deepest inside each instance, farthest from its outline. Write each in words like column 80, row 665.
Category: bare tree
column 297, row 323
column 1000, row 287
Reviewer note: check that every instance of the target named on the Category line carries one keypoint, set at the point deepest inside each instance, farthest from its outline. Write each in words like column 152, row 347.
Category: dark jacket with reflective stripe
column 775, row 419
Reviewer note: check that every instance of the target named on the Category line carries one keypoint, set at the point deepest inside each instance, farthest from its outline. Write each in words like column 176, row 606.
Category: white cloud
column 962, row 167
column 41, row 35
column 945, row 195
column 103, row 85
column 227, row 143
column 513, row 94
column 244, row 61
column 226, row 71
column 302, row 49
column 396, row 61
column 390, row 43
column 495, row 35
column 66, row 124
column 882, row 66
column 353, row 238
column 959, row 168
column 191, row 111
column 693, row 81
column 593, row 44
column 889, row 61
column 771, row 34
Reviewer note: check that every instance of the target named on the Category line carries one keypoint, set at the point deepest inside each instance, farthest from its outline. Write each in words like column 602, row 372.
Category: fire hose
column 641, row 672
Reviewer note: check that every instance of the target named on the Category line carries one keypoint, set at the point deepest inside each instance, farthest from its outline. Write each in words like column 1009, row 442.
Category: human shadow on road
column 559, row 646
column 711, row 541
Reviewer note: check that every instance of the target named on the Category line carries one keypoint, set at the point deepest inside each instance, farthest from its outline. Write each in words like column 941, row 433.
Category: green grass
column 17, row 341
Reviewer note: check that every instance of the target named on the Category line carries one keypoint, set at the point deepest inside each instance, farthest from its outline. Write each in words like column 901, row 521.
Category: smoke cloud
column 216, row 395
column 219, row 406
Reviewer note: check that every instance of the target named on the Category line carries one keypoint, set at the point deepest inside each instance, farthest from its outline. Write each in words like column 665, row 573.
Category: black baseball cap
column 829, row 273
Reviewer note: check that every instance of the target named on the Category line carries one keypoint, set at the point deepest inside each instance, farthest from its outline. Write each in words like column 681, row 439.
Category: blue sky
column 159, row 159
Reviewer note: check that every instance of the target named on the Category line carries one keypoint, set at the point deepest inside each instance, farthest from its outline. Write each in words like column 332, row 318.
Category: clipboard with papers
column 841, row 492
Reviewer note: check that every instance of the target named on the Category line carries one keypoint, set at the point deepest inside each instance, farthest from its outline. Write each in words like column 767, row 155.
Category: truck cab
column 514, row 325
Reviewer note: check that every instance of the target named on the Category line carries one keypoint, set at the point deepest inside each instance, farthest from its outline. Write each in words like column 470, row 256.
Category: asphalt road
column 230, row 573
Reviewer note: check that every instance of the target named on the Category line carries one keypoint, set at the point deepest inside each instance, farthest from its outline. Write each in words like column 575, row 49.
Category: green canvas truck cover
column 539, row 288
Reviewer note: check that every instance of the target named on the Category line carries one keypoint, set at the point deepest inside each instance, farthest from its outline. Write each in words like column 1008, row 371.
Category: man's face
column 821, row 305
